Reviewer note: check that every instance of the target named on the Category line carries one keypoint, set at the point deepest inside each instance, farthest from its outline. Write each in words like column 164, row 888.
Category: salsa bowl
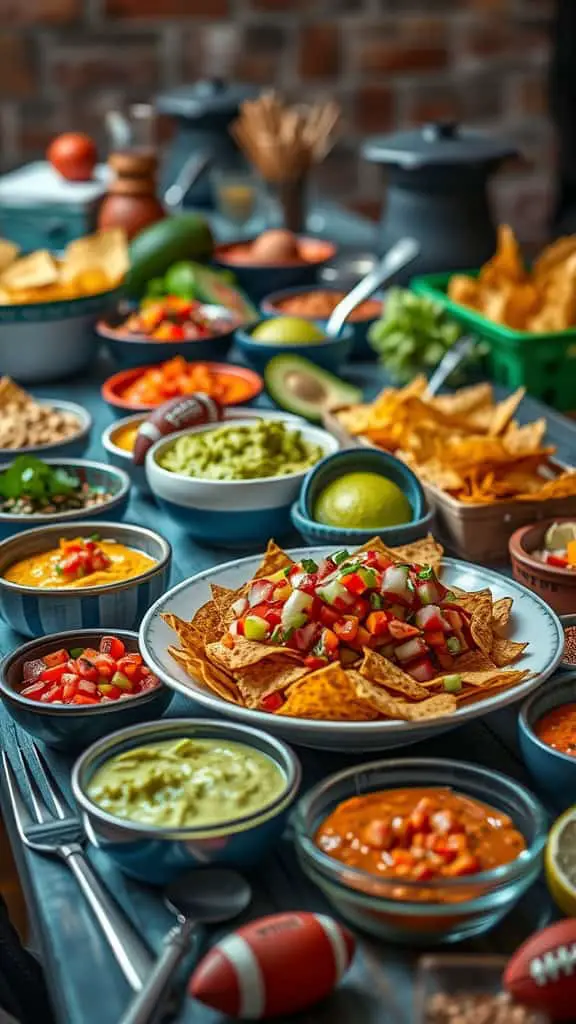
column 114, row 482
column 555, row 585
column 158, row 854
column 114, row 387
column 73, row 727
column 553, row 772
column 37, row 612
column 411, row 912
column 257, row 279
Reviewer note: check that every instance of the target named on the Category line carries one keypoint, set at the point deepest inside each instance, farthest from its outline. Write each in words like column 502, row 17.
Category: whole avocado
column 185, row 236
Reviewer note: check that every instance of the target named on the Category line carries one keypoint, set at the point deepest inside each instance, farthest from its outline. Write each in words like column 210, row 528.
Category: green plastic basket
column 545, row 364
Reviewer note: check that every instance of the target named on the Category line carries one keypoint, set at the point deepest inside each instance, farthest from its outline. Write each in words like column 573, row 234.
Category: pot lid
column 207, row 96
column 445, row 143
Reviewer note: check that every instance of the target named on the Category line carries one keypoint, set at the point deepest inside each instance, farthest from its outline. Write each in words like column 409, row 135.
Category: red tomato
column 113, row 646
column 73, row 155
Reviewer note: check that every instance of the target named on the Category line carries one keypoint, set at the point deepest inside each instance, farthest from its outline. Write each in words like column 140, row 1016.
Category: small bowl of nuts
column 43, row 492
column 466, row 989
column 46, row 429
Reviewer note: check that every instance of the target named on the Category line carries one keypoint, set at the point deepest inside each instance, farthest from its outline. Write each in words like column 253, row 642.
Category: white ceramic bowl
column 231, row 513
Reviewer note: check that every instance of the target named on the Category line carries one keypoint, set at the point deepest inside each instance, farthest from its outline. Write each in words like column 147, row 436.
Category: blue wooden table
column 85, row 983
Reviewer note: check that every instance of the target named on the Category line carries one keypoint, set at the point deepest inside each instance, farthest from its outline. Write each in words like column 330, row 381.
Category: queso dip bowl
column 35, row 611
column 158, row 854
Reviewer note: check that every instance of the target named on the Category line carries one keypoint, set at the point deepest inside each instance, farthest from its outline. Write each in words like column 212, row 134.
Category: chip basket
column 476, row 532
column 545, row 364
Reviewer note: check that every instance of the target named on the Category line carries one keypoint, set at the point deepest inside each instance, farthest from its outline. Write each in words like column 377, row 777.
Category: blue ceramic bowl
column 454, row 908
column 72, row 727
column 96, row 474
column 157, row 855
column 554, row 773
column 257, row 280
column 36, row 612
column 361, row 348
column 72, row 448
column 128, row 351
column 329, row 354
column 362, row 460
column 230, row 513
column 317, row 533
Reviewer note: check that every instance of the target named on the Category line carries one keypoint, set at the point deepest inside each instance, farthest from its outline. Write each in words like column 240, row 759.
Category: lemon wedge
column 560, row 862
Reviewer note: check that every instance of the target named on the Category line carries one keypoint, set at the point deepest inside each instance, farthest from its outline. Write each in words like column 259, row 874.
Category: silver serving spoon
column 449, row 362
column 402, row 253
column 201, row 896
column 193, row 168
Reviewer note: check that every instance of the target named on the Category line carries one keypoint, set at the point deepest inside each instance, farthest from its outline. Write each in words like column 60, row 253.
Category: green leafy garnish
column 427, row 573
column 309, row 565
column 29, row 477
column 76, row 652
column 340, row 556
column 376, row 601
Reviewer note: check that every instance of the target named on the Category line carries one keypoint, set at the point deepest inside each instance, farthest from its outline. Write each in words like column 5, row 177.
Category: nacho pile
column 540, row 300
column 465, row 444
column 358, row 637
column 88, row 266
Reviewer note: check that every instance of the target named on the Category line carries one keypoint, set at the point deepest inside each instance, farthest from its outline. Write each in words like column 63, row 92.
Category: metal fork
column 58, row 830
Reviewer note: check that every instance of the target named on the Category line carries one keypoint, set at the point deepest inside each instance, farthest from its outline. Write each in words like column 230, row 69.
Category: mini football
column 276, row 965
column 542, row 972
column 177, row 414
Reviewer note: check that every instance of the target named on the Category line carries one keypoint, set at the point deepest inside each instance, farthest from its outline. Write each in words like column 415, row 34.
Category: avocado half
column 300, row 387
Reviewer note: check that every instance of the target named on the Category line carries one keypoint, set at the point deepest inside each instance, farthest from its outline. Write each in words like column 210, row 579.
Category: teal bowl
column 330, row 354
column 553, row 773
column 363, row 460
column 362, row 350
column 393, row 536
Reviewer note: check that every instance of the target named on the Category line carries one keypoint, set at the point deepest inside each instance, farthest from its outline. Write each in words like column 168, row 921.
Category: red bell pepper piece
column 272, row 702
column 314, row 661
column 556, row 560
column 82, row 699
column 55, row 658
column 113, row 646
column 360, row 608
column 328, row 616
column 354, row 583
column 34, row 691
column 54, row 674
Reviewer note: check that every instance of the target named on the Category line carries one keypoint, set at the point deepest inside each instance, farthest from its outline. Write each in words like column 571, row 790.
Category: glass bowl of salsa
column 420, row 850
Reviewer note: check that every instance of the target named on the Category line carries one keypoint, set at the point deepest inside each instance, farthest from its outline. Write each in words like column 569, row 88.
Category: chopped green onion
column 376, row 601
column 309, row 565
column 286, row 572
column 76, row 652
column 368, row 576
column 277, row 634
column 340, row 556
column 427, row 573
column 453, row 684
column 94, row 536
column 453, row 645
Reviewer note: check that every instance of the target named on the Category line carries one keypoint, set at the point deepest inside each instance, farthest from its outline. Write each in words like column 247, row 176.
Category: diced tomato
column 422, row 872
column 421, row 670
column 362, row 639
column 260, row 591
column 465, row 864
column 402, row 630
column 55, row 693
column 54, row 674
column 105, row 666
column 69, row 685
column 346, row 629
column 444, row 658
column 328, row 616
column 360, row 608
column 86, row 669
column 453, row 618
column 329, row 641
column 86, row 686
column 420, row 816
column 556, row 560
column 129, row 665
column 272, row 702
column 377, row 623
column 82, row 699
column 34, row 691
column 354, row 583
column 271, row 613
column 55, row 658
column 435, row 639
column 113, row 646
column 378, row 834
column 411, row 649
column 314, row 661
column 376, row 560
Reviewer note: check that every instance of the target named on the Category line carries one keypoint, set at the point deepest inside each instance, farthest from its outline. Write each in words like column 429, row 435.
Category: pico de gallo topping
column 334, row 609
column 559, row 550
column 172, row 318
column 86, row 675
column 81, row 557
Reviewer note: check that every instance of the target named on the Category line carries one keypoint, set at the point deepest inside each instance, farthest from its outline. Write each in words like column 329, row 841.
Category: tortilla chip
column 190, row 638
column 329, row 694
column 8, row 254
column 390, row 707
column 246, row 652
column 203, row 671
column 492, row 675
column 504, row 412
column 481, row 624
column 465, row 400
column 501, row 610
column 270, row 676
column 377, row 544
column 273, row 561
column 34, row 271
column 385, row 673
column 223, row 598
column 504, row 652
column 423, row 552
column 207, row 621
column 105, row 250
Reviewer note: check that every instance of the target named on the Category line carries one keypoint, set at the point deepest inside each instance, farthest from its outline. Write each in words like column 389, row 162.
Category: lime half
column 560, row 862
column 363, row 501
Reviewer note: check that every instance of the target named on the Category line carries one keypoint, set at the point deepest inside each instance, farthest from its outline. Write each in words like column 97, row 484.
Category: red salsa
column 557, row 729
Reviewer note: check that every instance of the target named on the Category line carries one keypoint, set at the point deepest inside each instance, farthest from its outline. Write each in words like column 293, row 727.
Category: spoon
column 449, row 362
column 201, row 896
column 402, row 253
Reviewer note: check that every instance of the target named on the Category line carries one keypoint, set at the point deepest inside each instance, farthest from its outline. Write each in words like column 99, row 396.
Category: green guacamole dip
column 263, row 449
column 186, row 783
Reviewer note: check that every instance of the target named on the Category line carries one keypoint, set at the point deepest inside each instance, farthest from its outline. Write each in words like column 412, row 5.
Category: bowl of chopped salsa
column 143, row 388
column 543, row 557
column 421, row 850
column 71, row 688
column 318, row 302
column 547, row 733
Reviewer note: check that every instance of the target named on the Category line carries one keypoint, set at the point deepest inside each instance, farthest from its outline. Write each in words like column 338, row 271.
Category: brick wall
column 389, row 62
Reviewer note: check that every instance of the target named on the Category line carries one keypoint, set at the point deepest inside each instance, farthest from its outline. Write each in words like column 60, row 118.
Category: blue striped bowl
column 230, row 513
column 36, row 612
column 157, row 855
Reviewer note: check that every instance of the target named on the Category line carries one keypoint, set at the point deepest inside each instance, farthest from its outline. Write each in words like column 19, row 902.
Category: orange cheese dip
column 558, row 729
column 419, row 835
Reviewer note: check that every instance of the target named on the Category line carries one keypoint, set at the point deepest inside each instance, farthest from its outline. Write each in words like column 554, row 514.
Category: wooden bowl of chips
column 553, row 584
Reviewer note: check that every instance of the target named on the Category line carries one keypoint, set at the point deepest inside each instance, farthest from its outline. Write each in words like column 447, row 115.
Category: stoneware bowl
column 157, row 855
column 363, row 460
column 554, row 773
column 71, row 726
column 128, row 349
column 230, row 513
column 556, row 586
column 115, row 385
column 271, row 305
column 96, row 474
column 48, row 341
column 72, row 448
column 330, row 353
column 258, row 280
column 317, row 533
column 119, row 456
column 36, row 612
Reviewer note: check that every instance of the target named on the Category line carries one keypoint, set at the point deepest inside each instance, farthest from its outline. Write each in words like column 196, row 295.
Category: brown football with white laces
column 177, row 414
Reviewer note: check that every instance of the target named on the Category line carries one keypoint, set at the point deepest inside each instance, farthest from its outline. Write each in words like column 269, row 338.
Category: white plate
column 532, row 620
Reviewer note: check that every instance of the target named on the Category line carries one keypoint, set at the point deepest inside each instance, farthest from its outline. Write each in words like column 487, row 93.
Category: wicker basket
column 477, row 533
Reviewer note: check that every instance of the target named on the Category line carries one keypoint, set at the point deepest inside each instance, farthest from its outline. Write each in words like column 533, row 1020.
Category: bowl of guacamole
column 171, row 795
column 230, row 484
